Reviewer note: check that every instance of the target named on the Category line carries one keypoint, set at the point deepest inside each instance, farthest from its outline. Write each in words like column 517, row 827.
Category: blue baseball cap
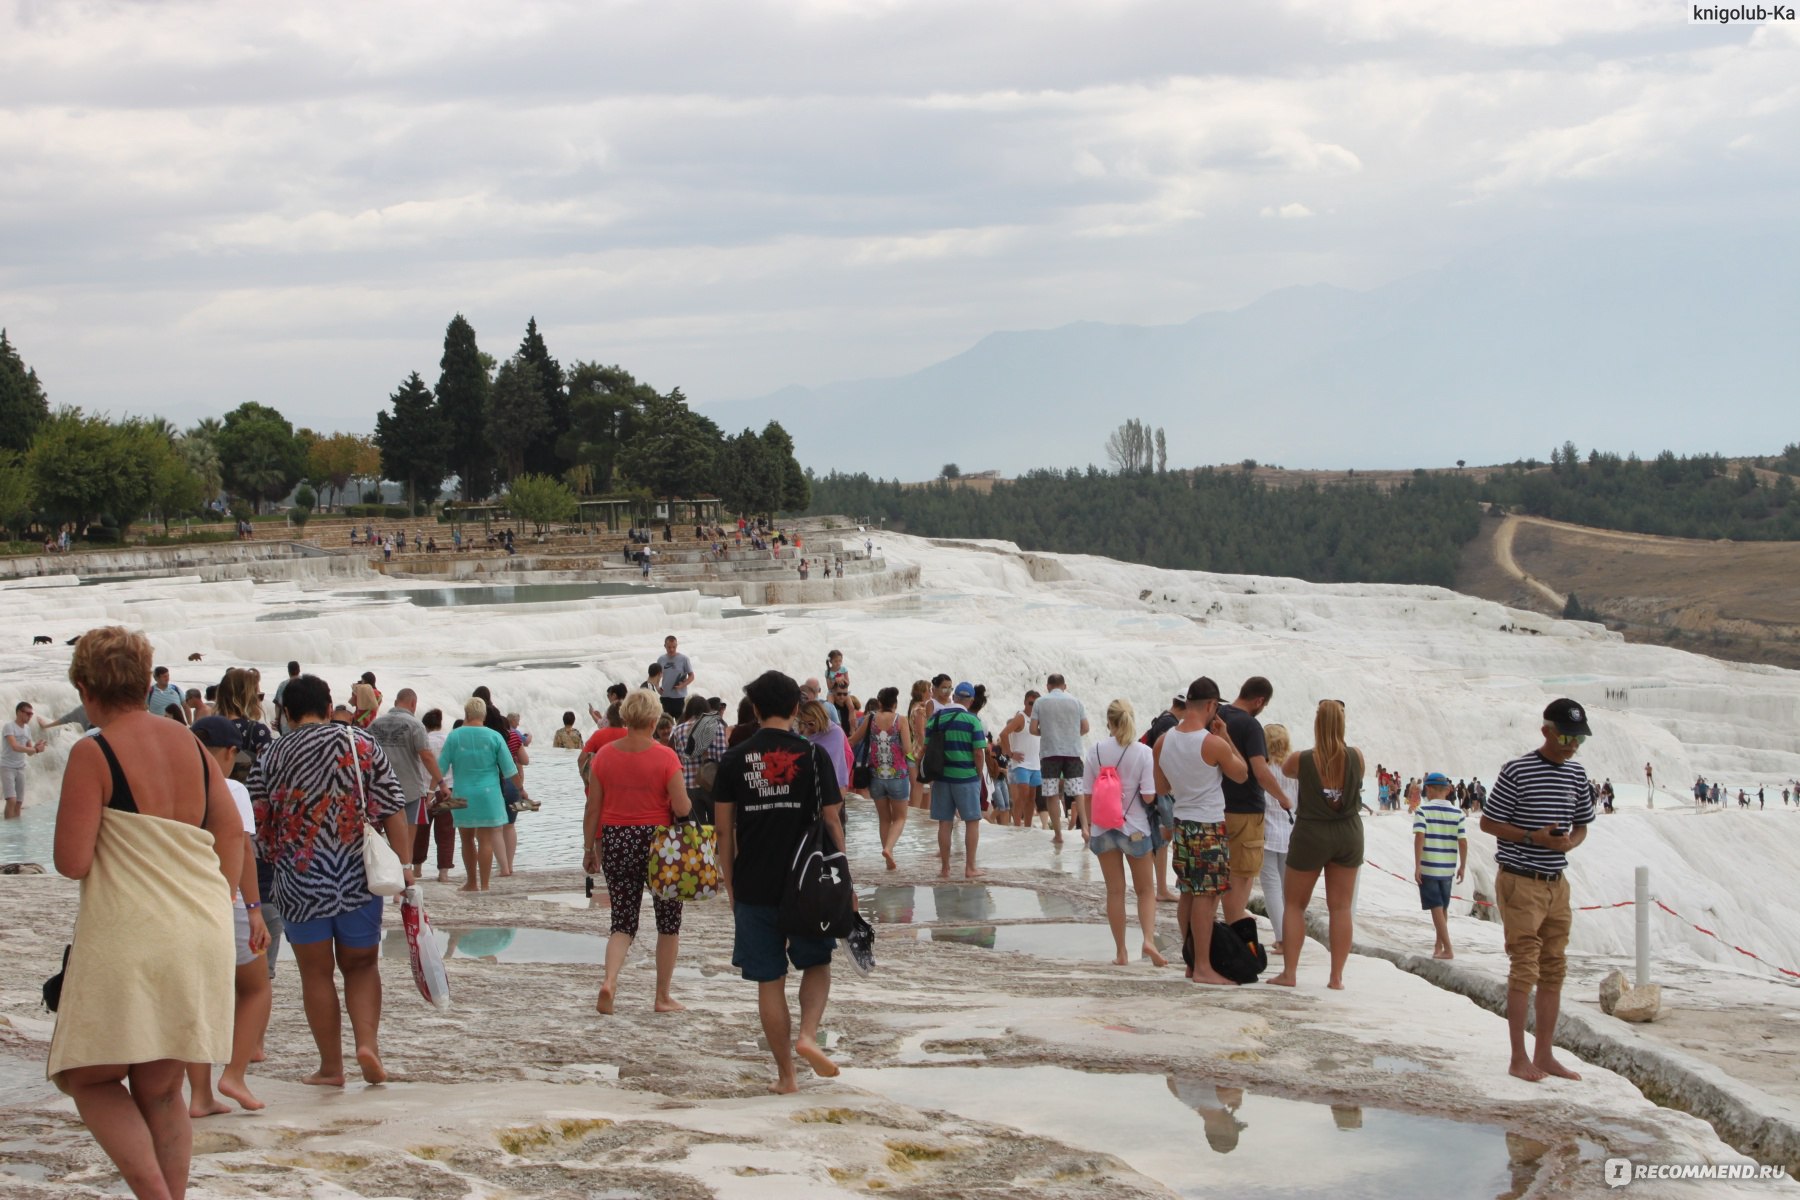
column 1437, row 779
column 965, row 689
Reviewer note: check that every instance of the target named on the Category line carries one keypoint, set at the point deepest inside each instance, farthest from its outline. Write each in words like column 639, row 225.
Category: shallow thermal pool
column 1202, row 1139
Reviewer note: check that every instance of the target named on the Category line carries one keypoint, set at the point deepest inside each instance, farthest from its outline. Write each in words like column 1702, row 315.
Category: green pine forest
column 1220, row 519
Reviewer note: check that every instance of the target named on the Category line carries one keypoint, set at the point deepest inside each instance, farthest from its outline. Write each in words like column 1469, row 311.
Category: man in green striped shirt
column 956, row 794
column 1440, row 854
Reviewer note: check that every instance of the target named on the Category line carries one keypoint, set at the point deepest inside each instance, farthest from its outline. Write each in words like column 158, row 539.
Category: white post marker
column 1643, row 926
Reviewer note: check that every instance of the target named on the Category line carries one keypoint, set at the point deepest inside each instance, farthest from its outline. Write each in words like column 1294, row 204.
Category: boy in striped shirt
column 1440, row 853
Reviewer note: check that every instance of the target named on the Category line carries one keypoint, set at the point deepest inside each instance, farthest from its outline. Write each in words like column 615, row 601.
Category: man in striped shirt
column 1440, row 853
column 1539, row 810
column 956, row 794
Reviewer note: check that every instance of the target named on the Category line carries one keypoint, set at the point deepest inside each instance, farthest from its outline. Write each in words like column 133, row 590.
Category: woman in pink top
column 634, row 785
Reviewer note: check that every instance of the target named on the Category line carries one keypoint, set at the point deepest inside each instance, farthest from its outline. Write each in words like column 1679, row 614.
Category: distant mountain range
column 1630, row 343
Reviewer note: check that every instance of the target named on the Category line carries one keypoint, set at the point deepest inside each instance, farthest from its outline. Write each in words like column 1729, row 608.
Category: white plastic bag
column 427, row 961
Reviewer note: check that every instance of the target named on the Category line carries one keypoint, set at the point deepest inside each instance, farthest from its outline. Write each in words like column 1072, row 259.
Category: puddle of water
column 1400, row 1066
column 579, row 900
column 296, row 614
column 509, row 944
column 1204, row 1140
column 901, row 905
column 1074, row 942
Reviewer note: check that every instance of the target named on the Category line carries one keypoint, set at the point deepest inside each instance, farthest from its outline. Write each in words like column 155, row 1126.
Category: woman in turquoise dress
column 477, row 760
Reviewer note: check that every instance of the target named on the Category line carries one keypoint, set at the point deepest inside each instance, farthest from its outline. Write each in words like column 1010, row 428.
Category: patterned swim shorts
column 1202, row 858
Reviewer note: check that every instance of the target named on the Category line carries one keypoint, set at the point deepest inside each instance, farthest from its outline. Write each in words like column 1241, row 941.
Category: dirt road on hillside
column 1503, row 558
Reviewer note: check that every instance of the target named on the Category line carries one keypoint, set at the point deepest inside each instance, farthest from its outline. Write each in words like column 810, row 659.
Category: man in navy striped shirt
column 1539, row 810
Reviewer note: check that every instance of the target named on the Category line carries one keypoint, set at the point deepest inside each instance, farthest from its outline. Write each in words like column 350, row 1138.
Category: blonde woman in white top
column 1278, row 827
column 1132, row 843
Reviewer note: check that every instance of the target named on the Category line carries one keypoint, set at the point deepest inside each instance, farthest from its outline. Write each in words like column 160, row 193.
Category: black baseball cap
column 217, row 732
column 1569, row 717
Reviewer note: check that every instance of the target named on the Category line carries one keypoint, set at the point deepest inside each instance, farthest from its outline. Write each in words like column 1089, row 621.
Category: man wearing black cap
column 1539, row 810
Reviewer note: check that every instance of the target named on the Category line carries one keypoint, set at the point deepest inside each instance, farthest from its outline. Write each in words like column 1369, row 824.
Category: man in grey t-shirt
column 402, row 737
column 677, row 673
column 1059, row 722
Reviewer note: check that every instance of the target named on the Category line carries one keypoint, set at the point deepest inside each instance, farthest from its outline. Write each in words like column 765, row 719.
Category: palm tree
column 202, row 458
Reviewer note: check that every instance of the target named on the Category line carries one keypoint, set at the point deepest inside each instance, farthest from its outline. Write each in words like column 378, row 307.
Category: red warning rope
column 1622, row 904
column 1715, row 937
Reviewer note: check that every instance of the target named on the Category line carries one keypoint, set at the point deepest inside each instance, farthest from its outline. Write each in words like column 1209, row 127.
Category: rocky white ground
column 514, row 1092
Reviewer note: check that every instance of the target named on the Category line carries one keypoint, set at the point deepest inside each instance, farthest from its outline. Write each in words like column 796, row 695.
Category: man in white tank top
column 1020, row 748
column 1192, row 761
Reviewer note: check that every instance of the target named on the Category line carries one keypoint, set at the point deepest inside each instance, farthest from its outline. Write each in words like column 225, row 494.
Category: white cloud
column 890, row 181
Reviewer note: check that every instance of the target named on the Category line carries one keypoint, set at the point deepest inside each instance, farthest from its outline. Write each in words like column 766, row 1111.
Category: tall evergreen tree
column 517, row 416
column 23, row 406
column 548, row 452
column 605, row 404
column 462, row 396
column 748, row 477
column 412, row 440
column 672, row 449
column 796, row 491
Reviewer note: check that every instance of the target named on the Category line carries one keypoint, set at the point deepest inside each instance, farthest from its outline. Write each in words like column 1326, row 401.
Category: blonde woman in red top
column 634, row 785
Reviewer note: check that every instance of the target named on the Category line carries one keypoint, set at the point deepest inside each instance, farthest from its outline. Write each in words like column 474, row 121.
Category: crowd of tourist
column 258, row 812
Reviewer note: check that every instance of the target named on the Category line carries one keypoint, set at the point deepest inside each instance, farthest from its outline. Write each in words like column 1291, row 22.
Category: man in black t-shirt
column 767, row 791
column 1244, row 801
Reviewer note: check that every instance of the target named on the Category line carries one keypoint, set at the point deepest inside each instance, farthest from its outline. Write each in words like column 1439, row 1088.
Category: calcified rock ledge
column 520, row 1089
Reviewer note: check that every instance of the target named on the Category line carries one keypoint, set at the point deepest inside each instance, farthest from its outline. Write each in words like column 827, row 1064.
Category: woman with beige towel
column 147, row 827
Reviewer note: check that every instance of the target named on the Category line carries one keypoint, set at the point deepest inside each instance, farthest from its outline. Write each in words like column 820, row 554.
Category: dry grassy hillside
column 1736, row 600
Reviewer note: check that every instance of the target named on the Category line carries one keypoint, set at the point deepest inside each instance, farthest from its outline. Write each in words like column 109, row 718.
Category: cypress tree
column 412, row 440
column 23, row 406
column 547, row 453
column 462, row 396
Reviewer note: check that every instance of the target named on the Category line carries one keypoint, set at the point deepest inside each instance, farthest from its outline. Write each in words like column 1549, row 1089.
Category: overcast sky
column 202, row 204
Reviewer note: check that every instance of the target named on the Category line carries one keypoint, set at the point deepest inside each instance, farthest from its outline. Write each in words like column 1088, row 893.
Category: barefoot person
column 477, row 761
column 1129, row 843
column 1024, row 775
column 1328, row 837
column 1278, row 828
column 889, row 738
column 146, row 825
column 1192, row 760
column 314, row 789
column 1538, row 811
column 770, row 789
column 956, row 794
column 222, row 740
column 634, row 785
column 1060, row 722
column 1440, row 854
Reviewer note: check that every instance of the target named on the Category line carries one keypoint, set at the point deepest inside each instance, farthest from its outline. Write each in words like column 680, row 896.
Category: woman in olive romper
column 1327, row 836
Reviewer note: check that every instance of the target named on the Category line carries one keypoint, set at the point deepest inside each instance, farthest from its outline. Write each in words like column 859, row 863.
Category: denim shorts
column 1434, row 891
column 762, row 952
column 956, row 798
column 1026, row 776
column 357, row 929
column 898, row 788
